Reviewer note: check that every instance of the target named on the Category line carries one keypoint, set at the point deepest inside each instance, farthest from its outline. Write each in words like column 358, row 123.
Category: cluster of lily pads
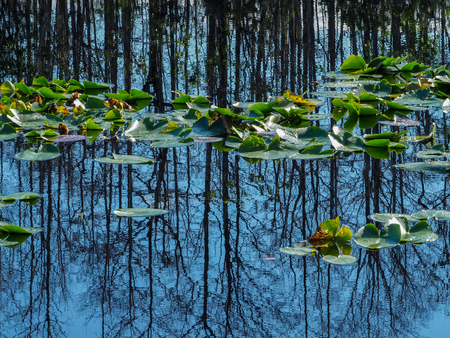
column 385, row 91
column 333, row 244
column 12, row 235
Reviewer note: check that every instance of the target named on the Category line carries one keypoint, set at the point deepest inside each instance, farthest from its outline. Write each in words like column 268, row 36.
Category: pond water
column 212, row 266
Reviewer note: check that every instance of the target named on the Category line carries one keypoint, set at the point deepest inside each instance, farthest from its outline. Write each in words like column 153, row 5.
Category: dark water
column 202, row 270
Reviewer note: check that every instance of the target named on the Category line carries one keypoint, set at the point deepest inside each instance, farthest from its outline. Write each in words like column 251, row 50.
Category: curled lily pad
column 340, row 259
column 438, row 215
column 125, row 159
column 353, row 63
column 139, row 212
column 44, row 153
column 15, row 229
column 329, row 230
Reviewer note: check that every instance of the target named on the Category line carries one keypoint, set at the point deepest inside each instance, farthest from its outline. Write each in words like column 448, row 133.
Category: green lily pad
column 255, row 147
column 7, row 132
column 419, row 233
column 435, row 151
column 438, row 215
column 139, row 212
column 370, row 238
column 384, row 217
column 7, row 244
column 345, row 141
column 439, row 167
column 20, row 196
column 353, row 63
column 31, row 119
column 44, row 153
column 181, row 142
column 125, row 159
column 314, row 152
column 340, row 259
column 14, row 229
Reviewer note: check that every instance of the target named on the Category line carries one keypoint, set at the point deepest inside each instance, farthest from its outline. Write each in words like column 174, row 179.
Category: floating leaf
column 20, row 196
column 7, row 132
column 14, row 229
column 181, row 142
column 435, row 151
column 313, row 152
column 419, row 233
column 440, row 167
column 139, row 212
column 125, row 159
column 255, row 147
column 370, row 238
column 7, row 88
column 31, row 119
column 438, row 215
column 386, row 216
column 340, row 259
column 44, row 153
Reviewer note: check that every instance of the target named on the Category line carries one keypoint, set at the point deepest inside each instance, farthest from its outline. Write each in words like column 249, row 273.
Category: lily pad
column 15, row 229
column 439, row 167
column 27, row 196
column 419, row 233
column 125, row 159
column 340, row 259
column 44, row 153
column 139, row 212
column 69, row 138
column 7, row 132
column 438, row 215
column 370, row 238
column 255, row 147
column 384, row 217
column 435, row 151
